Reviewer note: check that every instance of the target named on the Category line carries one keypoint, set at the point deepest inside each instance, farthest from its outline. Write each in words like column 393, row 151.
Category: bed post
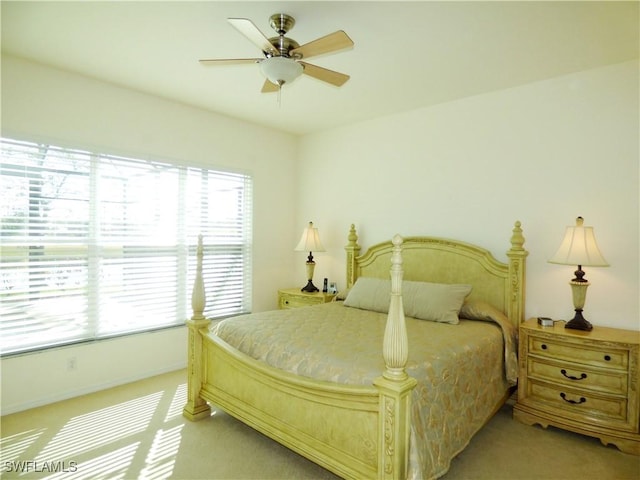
column 517, row 275
column 395, row 385
column 353, row 250
column 196, row 408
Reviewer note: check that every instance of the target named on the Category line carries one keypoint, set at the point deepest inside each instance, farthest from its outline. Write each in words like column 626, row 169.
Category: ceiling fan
column 283, row 57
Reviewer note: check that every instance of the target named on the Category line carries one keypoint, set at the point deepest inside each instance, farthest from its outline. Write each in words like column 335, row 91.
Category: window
column 93, row 245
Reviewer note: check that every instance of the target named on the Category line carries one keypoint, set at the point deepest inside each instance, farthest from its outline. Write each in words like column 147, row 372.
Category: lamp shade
column 280, row 70
column 310, row 240
column 579, row 247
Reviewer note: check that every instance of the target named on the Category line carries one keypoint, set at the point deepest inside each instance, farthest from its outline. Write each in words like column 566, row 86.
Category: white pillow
column 437, row 302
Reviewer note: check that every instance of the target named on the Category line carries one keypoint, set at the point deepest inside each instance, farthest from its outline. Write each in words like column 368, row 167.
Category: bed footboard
column 335, row 426
column 354, row 431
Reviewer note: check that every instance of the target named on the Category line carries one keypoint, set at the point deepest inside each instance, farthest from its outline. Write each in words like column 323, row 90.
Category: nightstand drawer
column 293, row 301
column 578, row 376
column 579, row 404
column 580, row 353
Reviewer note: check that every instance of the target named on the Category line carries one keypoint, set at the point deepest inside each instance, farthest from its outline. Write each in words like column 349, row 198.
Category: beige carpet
column 137, row 431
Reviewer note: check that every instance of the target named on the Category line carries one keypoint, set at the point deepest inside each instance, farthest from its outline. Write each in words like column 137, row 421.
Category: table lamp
column 310, row 242
column 579, row 248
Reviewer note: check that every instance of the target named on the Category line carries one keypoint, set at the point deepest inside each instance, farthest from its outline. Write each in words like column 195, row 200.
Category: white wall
column 543, row 154
column 41, row 103
column 45, row 377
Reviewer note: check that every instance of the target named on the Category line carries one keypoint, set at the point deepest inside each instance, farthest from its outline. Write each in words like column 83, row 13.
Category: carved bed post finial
column 395, row 385
column 353, row 250
column 396, row 346
column 196, row 408
column 517, row 275
column 198, row 299
column 517, row 239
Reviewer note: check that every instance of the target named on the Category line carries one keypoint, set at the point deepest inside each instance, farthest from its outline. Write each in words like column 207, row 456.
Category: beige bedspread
column 462, row 370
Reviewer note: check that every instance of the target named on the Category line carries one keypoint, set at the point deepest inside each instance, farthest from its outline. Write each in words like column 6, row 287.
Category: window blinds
column 94, row 245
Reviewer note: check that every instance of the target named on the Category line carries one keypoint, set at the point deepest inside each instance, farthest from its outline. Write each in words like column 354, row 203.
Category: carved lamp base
column 310, row 287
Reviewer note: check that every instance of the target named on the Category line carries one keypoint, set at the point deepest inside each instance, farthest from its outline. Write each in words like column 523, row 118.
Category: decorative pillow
column 437, row 302
column 370, row 294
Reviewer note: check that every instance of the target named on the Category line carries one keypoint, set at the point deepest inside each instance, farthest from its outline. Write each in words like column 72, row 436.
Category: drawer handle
column 574, row 402
column 571, row 377
column 607, row 358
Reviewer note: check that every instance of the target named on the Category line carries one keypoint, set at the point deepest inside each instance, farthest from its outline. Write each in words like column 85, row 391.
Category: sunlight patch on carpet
column 99, row 428
column 177, row 403
column 13, row 446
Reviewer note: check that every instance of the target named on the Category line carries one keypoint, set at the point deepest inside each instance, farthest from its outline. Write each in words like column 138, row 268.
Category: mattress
column 463, row 370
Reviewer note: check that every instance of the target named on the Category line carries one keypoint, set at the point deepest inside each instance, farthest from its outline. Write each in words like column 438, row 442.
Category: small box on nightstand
column 545, row 321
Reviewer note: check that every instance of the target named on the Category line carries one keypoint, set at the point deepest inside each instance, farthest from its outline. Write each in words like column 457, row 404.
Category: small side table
column 586, row 382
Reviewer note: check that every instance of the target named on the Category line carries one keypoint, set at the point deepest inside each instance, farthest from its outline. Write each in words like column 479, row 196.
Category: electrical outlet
column 72, row 364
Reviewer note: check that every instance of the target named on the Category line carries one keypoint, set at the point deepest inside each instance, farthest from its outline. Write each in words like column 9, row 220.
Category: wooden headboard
column 441, row 260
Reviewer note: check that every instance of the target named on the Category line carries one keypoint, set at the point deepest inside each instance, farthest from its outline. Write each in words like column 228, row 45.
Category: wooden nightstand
column 293, row 298
column 586, row 382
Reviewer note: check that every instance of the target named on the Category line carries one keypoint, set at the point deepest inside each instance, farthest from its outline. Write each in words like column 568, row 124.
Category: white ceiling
column 406, row 55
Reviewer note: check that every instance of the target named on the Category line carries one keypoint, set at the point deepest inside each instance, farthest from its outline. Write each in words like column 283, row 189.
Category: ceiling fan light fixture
column 281, row 70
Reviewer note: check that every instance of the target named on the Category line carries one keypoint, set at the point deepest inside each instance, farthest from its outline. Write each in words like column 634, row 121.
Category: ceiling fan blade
column 335, row 78
column 269, row 87
column 329, row 43
column 228, row 61
column 249, row 30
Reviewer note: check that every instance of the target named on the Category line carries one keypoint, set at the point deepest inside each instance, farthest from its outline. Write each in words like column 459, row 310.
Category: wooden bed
column 355, row 431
